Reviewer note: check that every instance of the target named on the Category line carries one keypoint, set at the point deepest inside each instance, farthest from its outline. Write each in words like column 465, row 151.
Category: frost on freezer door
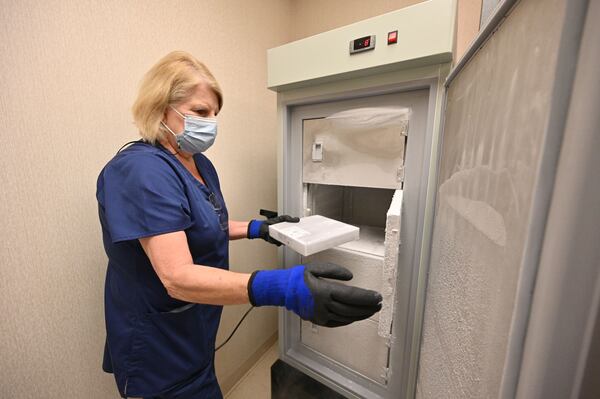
column 361, row 147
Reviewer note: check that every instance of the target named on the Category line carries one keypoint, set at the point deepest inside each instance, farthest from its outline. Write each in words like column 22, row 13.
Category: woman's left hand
column 260, row 228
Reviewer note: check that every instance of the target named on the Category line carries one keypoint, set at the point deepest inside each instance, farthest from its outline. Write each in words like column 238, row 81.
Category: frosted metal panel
column 496, row 115
column 356, row 346
column 358, row 147
column 362, row 337
column 355, row 205
column 367, row 269
column 372, row 241
column 327, row 201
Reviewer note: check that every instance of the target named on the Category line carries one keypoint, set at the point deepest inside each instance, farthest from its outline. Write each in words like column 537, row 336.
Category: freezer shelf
column 372, row 241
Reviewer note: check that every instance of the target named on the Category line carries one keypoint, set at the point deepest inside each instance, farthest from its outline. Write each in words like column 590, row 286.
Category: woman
column 166, row 233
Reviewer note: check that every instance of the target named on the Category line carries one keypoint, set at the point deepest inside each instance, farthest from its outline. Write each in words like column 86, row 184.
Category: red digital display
column 361, row 43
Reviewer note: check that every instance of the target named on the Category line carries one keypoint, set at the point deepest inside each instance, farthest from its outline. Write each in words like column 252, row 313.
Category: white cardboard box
column 313, row 234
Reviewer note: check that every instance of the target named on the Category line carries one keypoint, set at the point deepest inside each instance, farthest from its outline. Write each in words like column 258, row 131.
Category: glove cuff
column 254, row 228
column 268, row 287
column 249, row 287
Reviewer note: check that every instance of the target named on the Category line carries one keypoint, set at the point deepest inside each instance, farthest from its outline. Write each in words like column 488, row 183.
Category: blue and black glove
column 304, row 290
column 260, row 228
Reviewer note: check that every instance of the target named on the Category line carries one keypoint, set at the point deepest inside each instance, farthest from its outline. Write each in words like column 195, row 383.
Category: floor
column 257, row 382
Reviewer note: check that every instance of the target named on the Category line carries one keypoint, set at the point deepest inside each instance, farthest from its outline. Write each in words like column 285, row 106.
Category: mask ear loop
column 174, row 135
column 168, row 128
column 165, row 125
column 178, row 113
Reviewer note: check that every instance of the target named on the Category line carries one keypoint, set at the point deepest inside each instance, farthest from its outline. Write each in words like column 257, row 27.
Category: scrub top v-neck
column 156, row 343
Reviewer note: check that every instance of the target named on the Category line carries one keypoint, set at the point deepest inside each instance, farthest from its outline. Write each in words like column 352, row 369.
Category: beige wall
column 315, row 16
column 467, row 27
column 68, row 73
column 311, row 17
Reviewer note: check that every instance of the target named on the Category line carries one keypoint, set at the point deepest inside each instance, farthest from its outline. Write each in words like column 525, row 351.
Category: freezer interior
column 372, row 210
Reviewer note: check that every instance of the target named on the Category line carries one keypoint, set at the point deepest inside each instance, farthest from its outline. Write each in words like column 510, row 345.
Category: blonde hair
column 170, row 81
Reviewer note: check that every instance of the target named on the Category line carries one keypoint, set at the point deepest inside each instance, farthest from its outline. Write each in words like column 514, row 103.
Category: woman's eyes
column 202, row 112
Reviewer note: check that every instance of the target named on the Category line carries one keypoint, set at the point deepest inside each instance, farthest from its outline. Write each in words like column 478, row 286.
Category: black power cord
column 235, row 329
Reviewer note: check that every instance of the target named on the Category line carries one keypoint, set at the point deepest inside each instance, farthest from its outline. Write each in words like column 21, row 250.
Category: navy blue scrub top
column 156, row 344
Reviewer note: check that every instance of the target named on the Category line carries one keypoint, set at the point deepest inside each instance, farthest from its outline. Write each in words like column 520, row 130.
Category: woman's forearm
column 238, row 230
column 209, row 285
column 171, row 258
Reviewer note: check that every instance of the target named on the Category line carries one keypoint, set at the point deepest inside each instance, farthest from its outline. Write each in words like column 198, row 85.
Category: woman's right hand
column 304, row 290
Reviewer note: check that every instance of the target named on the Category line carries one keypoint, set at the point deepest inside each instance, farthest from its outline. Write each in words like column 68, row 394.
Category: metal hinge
column 400, row 174
column 386, row 374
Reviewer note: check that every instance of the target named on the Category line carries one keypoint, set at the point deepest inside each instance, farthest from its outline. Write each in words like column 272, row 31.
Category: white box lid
column 313, row 234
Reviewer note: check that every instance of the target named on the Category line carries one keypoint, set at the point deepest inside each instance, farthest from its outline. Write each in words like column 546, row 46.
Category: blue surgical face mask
column 198, row 133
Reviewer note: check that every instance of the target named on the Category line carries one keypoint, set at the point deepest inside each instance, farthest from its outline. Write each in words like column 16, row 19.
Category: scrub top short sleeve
column 143, row 198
